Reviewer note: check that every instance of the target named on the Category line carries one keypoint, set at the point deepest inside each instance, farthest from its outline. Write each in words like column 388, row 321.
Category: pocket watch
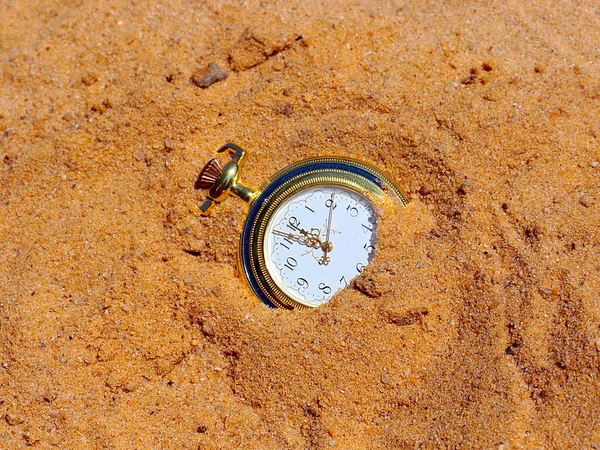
column 310, row 230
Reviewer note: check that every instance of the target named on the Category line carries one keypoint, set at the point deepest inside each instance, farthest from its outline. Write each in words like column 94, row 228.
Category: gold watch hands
column 310, row 239
column 327, row 246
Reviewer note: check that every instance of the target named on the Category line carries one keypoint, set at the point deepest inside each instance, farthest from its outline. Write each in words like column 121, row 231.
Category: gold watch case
column 351, row 174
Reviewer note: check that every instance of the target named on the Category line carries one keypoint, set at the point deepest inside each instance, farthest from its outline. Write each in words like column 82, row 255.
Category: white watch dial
column 318, row 241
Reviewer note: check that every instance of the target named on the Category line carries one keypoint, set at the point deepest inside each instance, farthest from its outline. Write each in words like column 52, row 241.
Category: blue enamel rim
column 322, row 164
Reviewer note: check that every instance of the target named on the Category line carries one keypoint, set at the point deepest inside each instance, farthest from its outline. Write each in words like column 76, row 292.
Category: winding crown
column 210, row 174
column 222, row 180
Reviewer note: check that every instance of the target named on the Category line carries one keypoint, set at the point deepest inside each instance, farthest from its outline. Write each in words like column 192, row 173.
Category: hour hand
column 310, row 239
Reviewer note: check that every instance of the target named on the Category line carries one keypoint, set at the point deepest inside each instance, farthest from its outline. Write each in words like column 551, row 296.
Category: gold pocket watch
column 311, row 228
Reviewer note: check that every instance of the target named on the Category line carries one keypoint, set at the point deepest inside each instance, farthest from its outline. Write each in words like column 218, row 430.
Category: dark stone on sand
column 209, row 75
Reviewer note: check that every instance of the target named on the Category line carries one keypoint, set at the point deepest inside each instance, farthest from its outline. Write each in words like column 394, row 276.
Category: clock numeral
column 352, row 210
column 326, row 289
column 360, row 267
column 329, row 202
column 310, row 209
column 290, row 263
column 293, row 223
column 368, row 248
column 367, row 228
column 343, row 280
column 302, row 282
column 288, row 241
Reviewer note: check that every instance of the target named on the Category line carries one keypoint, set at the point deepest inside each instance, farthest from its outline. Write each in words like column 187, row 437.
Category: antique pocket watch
column 311, row 228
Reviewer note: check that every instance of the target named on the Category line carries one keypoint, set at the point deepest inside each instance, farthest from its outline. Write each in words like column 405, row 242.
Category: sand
column 123, row 323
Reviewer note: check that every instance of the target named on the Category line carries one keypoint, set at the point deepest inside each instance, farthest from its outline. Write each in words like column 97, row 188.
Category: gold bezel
column 317, row 177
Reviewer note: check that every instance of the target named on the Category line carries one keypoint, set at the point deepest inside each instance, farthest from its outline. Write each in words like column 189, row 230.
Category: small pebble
column 430, row 207
column 89, row 79
column 208, row 327
column 13, row 419
column 69, row 117
column 195, row 245
column 139, row 155
column 332, row 442
column 63, row 359
column 130, row 387
column 598, row 344
column 194, row 343
column 464, row 188
column 31, row 436
column 595, row 164
column 287, row 110
column 385, row 379
column 208, row 75
column 424, row 190
column 585, row 201
column 169, row 144
column 202, row 429
column 49, row 397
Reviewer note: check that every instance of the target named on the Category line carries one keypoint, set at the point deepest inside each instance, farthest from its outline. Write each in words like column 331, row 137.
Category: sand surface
column 123, row 324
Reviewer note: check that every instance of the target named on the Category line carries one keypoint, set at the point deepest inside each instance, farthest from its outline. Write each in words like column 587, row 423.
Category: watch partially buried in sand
column 311, row 228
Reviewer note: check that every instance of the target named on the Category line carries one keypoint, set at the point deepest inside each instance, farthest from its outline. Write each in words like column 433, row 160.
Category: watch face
column 318, row 240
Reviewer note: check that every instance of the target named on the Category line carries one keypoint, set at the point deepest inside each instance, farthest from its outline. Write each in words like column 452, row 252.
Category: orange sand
column 478, row 324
